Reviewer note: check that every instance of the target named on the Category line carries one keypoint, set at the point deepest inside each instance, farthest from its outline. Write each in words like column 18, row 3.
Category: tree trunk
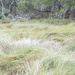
column 3, row 13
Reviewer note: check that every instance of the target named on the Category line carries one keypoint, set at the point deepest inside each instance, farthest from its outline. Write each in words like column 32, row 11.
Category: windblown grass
column 44, row 30
column 37, row 47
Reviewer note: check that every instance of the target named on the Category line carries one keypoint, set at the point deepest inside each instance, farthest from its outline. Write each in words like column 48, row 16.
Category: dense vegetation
column 38, row 9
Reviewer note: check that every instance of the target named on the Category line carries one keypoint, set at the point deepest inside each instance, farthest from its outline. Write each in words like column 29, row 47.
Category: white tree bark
column 2, row 8
column 10, row 7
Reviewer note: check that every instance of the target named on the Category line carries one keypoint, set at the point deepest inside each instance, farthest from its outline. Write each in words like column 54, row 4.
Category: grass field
column 37, row 47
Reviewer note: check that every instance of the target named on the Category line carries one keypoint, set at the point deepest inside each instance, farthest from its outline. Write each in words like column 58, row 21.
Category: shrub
column 1, row 17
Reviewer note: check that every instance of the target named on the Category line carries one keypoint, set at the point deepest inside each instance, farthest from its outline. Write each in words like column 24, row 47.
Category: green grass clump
column 70, row 46
column 50, row 63
column 19, row 57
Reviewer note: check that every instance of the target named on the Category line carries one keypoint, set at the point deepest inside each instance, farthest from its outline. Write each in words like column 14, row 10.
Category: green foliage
column 69, row 2
column 30, row 6
column 24, row 5
column 1, row 16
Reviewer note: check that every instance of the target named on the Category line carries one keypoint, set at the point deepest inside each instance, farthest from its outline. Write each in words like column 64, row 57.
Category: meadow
column 37, row 47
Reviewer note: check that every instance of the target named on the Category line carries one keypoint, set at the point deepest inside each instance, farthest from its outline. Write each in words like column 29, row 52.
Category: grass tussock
column 70, row 46
column 37, row 47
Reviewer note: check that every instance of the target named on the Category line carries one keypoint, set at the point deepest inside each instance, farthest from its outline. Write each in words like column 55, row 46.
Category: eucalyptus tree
column 2, row 6
column 8, row 6
column 25, row 6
